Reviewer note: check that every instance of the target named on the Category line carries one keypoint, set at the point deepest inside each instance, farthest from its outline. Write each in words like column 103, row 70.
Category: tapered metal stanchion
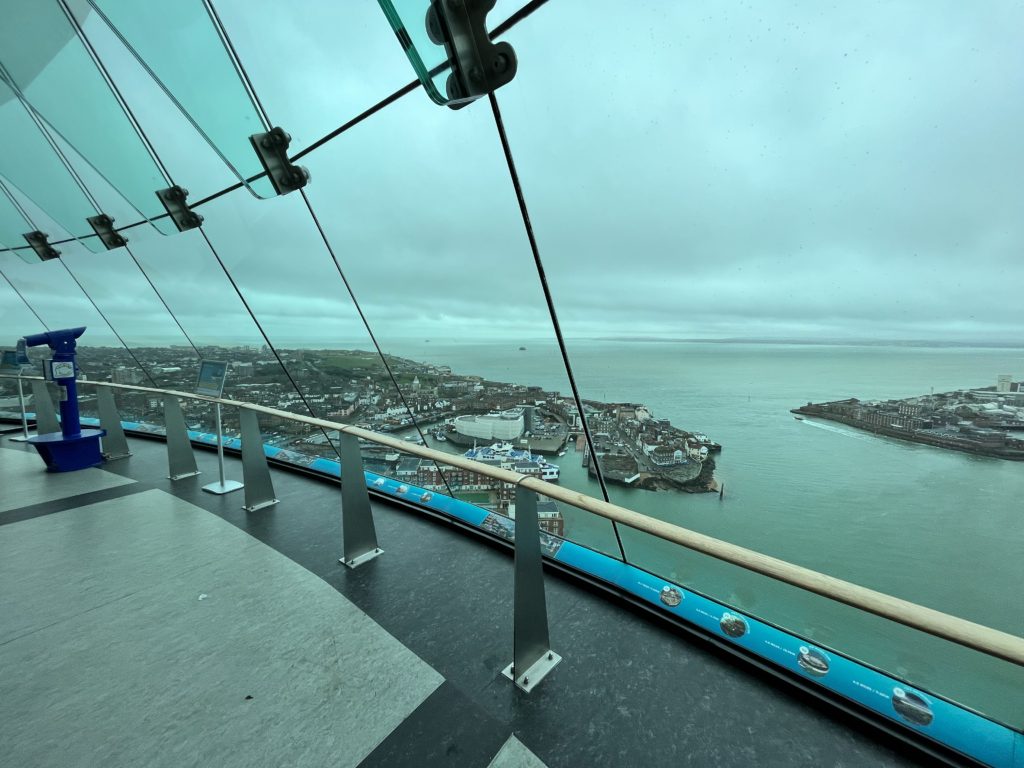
column 24, row 418
column 359, row 536
column 115, row 446
column 46, row 414
column 221, row 486
column 259, row 490
column 181, row 461
column 532, row 657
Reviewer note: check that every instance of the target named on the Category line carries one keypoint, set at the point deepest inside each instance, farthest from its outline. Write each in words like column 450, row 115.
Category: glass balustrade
column 736, row 215
column 767, row 222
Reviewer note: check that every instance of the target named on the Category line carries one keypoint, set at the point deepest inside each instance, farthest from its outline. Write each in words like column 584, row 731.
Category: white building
column 506, row 425
column 1003, row 382
column 123, row 375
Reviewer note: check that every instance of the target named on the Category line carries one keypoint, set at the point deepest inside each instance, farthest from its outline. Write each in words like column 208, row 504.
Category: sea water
column 936, row 527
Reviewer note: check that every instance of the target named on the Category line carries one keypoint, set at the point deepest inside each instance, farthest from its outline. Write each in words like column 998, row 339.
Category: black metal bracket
column 39, row 243
column 173, row 199
column 479, row 66
column 103, row 226
column 272, row 149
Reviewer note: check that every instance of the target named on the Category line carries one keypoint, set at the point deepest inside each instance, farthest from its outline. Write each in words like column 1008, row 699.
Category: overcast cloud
column 799, row 170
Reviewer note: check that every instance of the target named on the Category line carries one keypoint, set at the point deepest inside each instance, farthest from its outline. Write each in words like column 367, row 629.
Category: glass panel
column 418, row 30
column 60, row 80
column 12, row 224
column 15, row 319
column 201, row 299
column 448, row 285
column 60, row 303
column 348, row 60
column 822, row 220
column 416, row 27
column 306, row 312
column 131, row 306
column 184, row 52
column 33, row 168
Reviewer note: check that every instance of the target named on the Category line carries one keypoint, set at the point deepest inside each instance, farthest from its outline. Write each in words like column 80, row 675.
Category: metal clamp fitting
column 183, row 217
column 39, row 243
column 272, row 149
column 103, row 226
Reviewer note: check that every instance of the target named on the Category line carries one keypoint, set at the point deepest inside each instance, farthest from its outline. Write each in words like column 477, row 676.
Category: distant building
column 983, row 435
column 549, row 518
column 407, row 468
column 1003, row 382
column 667, row 457
column 124, row 375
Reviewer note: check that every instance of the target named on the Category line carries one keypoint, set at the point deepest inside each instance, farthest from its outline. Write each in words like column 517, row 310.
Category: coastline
column 963, row 446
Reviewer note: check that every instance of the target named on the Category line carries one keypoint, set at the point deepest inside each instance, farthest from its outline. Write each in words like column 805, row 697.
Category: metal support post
column 259, row 490
column 46, row 414
column 359, row 536
column 181, row 460
column 115, row 446
column 532, row 657
column 222, row 486
column 24, row 419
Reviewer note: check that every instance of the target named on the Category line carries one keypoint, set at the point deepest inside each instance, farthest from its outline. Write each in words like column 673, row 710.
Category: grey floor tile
column 514, row 754
column 56, row 566
column 162, row 674
column 24, row 480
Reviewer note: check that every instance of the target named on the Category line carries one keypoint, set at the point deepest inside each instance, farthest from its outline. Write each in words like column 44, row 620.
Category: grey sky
column 693, row 170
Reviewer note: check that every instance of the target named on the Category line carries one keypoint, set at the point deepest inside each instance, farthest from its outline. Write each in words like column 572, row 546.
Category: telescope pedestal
column 66, row 454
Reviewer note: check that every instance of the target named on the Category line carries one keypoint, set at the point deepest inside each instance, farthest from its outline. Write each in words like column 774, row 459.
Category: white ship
column 505, row 451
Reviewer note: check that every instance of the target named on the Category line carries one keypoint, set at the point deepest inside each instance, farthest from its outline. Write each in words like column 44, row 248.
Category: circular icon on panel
column 403, row 489
column 812, row 661
column 426, row 497
column 379, row 482
column 912, row 706
column 671, row 596
column 733, row 625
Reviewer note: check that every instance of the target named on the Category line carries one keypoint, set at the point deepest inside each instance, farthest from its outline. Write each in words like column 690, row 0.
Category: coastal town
column 987, row 421
column 514, row 426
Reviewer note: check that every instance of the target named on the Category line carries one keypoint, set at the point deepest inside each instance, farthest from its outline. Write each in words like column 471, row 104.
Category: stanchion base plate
column 259, row 505
column 531, row 678
column 226, row 487
column 358, row 560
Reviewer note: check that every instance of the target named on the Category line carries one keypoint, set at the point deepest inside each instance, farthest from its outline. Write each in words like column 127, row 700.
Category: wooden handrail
column 978, row 637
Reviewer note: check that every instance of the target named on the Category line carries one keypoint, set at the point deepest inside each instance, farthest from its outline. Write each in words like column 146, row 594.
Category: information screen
column 211, row 378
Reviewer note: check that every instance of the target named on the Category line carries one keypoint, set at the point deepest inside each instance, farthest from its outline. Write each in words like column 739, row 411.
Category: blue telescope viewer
column 73, row 447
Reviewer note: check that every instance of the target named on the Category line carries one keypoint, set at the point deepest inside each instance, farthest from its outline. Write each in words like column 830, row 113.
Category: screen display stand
column 222, row 486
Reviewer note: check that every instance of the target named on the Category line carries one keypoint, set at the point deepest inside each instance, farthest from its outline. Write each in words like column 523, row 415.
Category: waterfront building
column 506, row 425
